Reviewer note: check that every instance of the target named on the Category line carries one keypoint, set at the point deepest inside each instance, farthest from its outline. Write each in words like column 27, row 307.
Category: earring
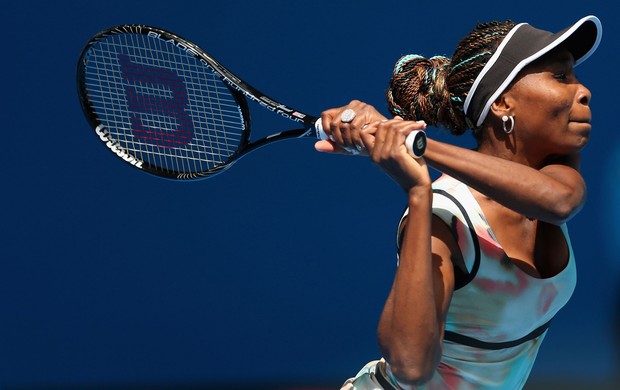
column 505, row 120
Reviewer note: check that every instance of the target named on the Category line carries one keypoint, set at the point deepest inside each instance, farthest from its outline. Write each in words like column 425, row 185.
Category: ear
column 503, row 105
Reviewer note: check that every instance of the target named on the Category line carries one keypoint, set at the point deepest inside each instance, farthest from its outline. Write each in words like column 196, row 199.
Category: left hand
column 385, row 142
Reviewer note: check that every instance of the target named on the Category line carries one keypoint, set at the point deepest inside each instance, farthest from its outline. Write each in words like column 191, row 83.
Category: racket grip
column 415, row 141
column 320, row 133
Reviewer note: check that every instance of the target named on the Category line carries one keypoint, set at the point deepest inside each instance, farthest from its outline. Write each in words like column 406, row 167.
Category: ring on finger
column 347, row 116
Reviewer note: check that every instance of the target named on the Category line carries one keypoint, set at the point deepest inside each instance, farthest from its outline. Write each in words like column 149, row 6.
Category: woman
column 485, row 260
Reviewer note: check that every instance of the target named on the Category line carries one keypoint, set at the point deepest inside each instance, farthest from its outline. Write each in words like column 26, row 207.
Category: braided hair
column 435, row 89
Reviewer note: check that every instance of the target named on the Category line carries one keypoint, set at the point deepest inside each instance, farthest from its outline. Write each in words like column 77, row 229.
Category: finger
column 325, row 146
column 336, row 133
column 328, row 146
column 346, row 131
column 379, row 142
column 357, row 126
column 327, row 117
column 395, row 144
column 365, row 114
column 421, row 124
column 349, row 126
column 388, row 147
column 351, row 134
column 368, row 137
column 342, row 125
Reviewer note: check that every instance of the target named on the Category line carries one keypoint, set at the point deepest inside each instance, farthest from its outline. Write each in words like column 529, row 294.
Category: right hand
column 343, row 135
column 385, row 142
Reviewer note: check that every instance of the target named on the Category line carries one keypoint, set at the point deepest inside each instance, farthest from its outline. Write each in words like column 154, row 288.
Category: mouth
column 583, row 125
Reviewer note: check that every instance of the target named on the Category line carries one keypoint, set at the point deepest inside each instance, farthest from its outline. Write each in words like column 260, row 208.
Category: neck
column 507, row 146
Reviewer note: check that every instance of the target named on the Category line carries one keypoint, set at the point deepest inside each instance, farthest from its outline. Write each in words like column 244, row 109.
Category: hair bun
column 418, row 88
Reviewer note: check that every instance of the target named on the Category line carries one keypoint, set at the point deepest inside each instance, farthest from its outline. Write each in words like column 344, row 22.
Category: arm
column 410, row 330
column 553, row 194
column 412, row 324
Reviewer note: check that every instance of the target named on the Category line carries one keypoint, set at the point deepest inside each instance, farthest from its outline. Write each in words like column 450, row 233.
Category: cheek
column 558, row 104
column 541, row 100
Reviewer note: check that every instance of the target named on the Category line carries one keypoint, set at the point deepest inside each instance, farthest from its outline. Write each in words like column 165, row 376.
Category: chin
column 583, row 142
column 581, row 136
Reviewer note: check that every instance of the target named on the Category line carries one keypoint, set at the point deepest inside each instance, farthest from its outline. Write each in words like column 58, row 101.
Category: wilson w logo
column 157, row 99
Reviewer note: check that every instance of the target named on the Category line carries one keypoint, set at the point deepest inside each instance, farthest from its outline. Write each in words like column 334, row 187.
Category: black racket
column 164, row 105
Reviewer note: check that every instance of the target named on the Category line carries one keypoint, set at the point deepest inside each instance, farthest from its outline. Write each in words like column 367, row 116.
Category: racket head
column 155, row 101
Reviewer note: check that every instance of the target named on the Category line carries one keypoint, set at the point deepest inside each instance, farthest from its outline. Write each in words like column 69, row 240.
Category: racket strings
column 161, row 104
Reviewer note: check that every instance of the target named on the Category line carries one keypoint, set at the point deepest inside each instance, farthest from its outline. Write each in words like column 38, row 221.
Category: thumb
column 325, row 147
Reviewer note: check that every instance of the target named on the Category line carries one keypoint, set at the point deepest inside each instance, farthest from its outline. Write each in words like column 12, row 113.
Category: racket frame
column 240, row 90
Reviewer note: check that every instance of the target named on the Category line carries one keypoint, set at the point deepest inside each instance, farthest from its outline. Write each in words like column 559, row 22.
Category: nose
column 584, row 95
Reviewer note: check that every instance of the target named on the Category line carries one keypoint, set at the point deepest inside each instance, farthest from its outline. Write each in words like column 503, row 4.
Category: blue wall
column 276, row 271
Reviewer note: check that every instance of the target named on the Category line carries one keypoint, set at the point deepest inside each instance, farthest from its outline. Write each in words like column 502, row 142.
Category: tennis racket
column 165, row 106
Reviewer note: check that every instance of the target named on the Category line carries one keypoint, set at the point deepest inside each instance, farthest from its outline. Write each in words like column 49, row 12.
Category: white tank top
column 498, row 319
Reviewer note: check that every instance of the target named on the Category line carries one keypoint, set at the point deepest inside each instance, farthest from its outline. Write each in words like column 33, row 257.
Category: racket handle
column 320, row 133
column 415, row 141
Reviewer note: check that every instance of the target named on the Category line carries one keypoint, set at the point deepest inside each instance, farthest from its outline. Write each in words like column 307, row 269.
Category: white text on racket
column 232, row 80
column 116, row 148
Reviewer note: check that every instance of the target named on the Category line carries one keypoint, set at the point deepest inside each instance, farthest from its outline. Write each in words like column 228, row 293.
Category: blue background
column 275, row 272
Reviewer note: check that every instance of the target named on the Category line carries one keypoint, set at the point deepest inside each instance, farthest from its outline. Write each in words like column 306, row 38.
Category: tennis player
column 484, row 259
